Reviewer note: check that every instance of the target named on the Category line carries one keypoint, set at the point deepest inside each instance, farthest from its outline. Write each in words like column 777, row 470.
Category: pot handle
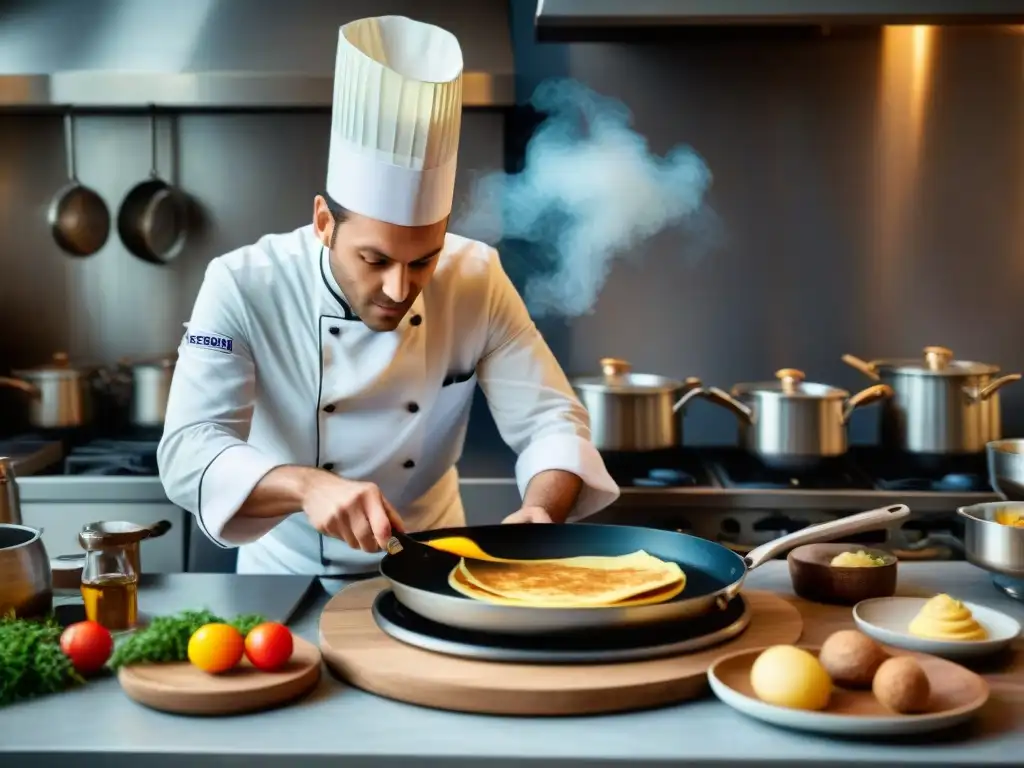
column 883, row 517
column 984, row 393
column 717, row 396
column 29, row 389
column 872, row 394
column 691, row 389
column 868, row 369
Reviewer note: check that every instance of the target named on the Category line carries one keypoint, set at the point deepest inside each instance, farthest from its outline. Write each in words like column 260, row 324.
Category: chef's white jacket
column 275, row 368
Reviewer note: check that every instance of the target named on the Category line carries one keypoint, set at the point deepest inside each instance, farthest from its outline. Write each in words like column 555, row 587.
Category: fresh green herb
column 31, row 661
column 166, row 638
column 246, row 622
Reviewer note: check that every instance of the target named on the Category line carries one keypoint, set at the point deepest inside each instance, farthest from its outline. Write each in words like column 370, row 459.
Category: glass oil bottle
column 110, row 584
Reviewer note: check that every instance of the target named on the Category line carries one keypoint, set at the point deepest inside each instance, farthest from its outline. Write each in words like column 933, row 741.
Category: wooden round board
column 184, row 689
column 359, row 652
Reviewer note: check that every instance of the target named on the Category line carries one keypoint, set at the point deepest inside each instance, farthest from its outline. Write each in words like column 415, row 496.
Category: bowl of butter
column 842, row 574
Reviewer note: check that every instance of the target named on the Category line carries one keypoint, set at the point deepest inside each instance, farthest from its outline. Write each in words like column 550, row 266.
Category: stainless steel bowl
column 992, row 546
column 1006, row 468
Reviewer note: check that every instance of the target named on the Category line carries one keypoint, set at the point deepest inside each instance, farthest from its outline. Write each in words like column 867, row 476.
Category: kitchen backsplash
column 870, row 188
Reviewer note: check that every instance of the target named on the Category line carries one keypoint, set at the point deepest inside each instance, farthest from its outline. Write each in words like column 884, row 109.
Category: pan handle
column 883, row 517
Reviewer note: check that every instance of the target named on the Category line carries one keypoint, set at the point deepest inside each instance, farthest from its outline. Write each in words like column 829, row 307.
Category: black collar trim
column 349, row 314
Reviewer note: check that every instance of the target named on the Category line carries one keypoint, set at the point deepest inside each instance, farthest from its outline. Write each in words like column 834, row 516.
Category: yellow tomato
column 216, row 648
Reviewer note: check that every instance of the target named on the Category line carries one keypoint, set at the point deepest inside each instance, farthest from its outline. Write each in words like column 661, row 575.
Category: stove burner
column 665, row 478
column 739, row 469
column 113, row 457
column 950, row 483
column 608, row 646
column 1012, row 587
column 656, row 469
column 941, row 474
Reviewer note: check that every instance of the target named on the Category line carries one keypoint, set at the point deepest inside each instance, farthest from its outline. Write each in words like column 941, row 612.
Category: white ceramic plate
column 886, row 620
column 957, row 694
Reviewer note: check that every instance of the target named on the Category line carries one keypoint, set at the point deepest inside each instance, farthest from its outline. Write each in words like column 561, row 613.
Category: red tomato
column 268, row 646
column 88, row 645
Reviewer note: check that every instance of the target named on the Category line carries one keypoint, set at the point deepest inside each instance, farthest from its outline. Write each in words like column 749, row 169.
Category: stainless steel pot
column 990, row 545
column 940, row 406
column 634, row 411
column 60, row 394
column 790, row 423
column 151, row 386
column 1006, row 468
column 26, row 586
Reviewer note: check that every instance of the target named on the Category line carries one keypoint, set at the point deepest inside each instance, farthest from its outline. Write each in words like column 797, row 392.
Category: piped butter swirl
column 945, row 618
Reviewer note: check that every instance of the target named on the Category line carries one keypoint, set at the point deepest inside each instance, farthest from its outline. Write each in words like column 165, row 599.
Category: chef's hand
column 353, row 511
column 529, row 515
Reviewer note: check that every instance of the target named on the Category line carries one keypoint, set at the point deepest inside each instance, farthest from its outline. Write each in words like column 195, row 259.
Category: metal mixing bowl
column 992, row 546
column 995, row 547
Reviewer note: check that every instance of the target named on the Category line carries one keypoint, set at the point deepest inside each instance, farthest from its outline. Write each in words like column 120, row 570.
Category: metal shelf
column 207, row 90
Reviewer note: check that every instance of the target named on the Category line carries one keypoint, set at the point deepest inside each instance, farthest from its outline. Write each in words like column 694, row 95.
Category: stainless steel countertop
column 337, row 725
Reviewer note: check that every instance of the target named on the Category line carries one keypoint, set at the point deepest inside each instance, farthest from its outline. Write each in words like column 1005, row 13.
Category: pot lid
column 937, row 361
column 617, row 377
column 789, row 382
column 59, row 365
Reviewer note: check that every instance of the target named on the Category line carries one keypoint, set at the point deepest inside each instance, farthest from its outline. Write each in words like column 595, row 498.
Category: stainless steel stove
column 728, row 495
column 113, row 458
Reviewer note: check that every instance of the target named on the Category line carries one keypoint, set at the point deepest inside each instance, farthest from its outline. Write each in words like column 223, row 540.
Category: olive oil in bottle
column 110, row 585
column 112, row 600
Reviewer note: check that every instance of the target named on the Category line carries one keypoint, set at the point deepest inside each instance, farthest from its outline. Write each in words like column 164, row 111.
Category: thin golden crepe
column 458, row 582
column 574, row 582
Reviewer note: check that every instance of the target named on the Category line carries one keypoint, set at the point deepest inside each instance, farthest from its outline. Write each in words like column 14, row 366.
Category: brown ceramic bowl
column 815, row 579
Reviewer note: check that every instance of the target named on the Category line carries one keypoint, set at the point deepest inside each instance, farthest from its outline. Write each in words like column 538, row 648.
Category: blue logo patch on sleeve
column 205, row 340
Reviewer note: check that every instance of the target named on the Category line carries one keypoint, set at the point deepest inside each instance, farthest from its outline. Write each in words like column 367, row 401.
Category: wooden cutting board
column 184, row 689
column 359, row 652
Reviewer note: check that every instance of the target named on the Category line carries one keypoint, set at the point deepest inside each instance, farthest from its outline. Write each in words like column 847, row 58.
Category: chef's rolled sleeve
column 206, row 466
column 533, row 404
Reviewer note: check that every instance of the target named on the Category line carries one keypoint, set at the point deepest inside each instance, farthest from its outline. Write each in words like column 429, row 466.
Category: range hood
column 218, row 54
column 582, row 20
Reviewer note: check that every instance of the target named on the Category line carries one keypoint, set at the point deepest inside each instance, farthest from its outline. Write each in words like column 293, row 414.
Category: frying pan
column 714, row 573
column 151, row 222
column 79, row 219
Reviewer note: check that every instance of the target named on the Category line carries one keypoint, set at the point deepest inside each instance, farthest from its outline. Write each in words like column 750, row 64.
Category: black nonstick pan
column 714, row 573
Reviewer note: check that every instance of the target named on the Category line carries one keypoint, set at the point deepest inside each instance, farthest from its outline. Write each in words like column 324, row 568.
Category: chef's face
column 380, row 267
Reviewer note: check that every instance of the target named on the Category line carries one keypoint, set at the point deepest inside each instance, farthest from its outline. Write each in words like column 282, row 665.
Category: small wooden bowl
column 815, row 579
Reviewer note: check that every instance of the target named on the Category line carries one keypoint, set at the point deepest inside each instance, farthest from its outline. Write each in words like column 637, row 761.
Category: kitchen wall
column 247, row 175
column 870, row 188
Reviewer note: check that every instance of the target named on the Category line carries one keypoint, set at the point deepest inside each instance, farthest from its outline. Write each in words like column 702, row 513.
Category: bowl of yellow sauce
column 942, row 625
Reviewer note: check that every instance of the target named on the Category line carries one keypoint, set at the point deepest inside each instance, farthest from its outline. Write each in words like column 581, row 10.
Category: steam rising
column 590, row 190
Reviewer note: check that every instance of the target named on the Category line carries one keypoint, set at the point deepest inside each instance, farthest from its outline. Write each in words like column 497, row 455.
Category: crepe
column 575, row 582
column 459, row 583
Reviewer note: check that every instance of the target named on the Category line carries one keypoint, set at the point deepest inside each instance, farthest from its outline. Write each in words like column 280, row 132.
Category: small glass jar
column 110, row 584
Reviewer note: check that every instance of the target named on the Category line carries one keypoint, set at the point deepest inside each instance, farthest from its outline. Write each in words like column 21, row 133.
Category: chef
column 325, row 377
